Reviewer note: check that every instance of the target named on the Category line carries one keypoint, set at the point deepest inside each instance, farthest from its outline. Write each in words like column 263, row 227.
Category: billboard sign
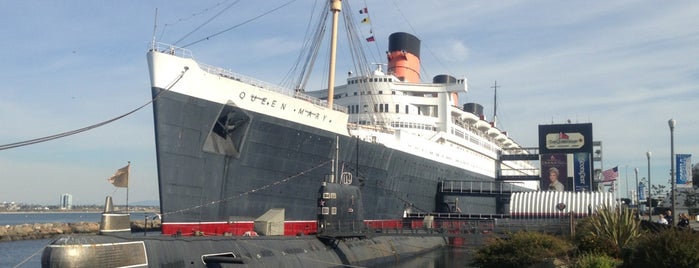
column 565, row 138
column 554, row 172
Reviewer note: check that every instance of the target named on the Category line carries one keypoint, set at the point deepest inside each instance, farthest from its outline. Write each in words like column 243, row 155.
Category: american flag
column 610, row 174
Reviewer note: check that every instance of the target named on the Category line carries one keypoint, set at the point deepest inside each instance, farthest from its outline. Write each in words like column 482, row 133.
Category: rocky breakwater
column 50, row 230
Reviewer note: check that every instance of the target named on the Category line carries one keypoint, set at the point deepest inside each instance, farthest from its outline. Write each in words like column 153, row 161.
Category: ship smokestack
column 404, row 56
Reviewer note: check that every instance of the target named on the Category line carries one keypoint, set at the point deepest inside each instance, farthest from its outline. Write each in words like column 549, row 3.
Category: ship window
column 376, row 108
column 380, row 92
column 397, row 108
column 393, row 93
column 355, row 93
column 381, row 108
column 385, row 107
column 406, row 109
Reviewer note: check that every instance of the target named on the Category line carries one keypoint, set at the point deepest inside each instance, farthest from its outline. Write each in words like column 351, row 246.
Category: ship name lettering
column 264, row 101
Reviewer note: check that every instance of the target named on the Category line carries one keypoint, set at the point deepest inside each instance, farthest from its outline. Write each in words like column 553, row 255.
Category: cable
column 206, row 22
column 80, row 130
column 239, row 24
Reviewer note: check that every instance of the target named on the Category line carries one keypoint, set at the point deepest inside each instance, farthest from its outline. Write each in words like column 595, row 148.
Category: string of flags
column 367, row 20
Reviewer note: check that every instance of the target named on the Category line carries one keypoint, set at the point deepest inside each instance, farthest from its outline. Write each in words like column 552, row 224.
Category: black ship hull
column 213, row 169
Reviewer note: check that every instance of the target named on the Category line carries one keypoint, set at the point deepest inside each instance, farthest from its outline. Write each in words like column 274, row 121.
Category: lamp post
column 650, row 204
column 672, row 124
column 638, row 208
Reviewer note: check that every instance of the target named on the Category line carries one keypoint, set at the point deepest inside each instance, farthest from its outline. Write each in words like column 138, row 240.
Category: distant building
column 66, row 202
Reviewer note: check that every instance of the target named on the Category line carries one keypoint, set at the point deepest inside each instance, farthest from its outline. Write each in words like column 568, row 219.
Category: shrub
column 521, row 249
column 594, row 260
column 668, row 248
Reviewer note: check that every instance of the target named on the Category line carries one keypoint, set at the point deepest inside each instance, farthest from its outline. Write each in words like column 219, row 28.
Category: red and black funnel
column 404, row 56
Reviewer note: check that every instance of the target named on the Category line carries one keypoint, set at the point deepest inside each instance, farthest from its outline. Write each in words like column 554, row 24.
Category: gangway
column 479, row 188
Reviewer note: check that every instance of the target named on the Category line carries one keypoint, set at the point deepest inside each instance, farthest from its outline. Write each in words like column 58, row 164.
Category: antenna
column 495, row 104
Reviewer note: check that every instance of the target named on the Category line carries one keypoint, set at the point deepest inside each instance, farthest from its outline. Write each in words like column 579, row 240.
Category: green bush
column 594, row 260
column 521, row 249
column 669, row 248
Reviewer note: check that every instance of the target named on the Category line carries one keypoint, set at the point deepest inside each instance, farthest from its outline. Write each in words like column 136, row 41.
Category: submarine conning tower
column 404, row 56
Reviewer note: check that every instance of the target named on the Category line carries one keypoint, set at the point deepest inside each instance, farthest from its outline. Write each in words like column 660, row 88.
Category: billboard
column 683, row 170
column 554, row 173
column 565, row 138
column 574, row 139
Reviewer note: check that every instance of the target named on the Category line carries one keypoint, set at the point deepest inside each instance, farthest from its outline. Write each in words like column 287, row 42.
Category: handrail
column 186, row 53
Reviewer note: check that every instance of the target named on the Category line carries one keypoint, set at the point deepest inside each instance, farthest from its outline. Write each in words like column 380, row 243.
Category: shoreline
column 32, row 231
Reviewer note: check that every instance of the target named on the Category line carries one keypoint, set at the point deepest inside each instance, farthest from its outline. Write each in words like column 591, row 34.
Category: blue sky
column 625, row 66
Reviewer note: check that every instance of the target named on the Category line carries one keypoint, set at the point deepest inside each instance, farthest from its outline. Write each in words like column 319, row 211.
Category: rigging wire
column 80, row 130
column 309, row 51
column 422, row 67
column 207, row 21
column 284, row 180
column 162, row 32
column 239, row 24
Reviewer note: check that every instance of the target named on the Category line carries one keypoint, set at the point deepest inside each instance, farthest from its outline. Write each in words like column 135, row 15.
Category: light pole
column 672, row 124
column 650, row 204
column 638, row 207
column 626, row 173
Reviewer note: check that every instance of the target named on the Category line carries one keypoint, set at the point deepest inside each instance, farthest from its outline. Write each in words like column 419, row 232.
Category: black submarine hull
column 131, row 250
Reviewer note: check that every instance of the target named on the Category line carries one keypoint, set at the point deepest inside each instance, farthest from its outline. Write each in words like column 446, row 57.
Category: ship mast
column 335, row 8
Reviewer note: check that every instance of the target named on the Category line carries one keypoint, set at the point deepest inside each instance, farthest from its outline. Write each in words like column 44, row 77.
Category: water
column 27, row 253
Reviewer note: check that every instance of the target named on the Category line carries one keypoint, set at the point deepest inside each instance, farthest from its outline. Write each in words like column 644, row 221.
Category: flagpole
column 128, row 171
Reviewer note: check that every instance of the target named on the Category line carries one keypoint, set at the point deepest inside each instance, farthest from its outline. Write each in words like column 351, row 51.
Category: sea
column 27, row 253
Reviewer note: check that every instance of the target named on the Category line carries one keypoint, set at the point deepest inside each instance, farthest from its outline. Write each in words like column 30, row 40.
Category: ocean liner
column 230, row 148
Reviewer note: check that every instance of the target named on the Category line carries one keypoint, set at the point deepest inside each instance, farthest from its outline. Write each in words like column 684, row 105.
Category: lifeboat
column 483, row 125
column 501, row 137
column 493, row 132
column 508, row 143
column 469, row 118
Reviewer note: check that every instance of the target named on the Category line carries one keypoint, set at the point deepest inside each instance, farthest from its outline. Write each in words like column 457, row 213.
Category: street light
column 672, row 123
column 650, row 204
column 638, row 207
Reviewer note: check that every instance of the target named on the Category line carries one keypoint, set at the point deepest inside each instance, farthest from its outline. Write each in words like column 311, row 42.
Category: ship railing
column 186, row 53
column 268, row 86
column 172, row 50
